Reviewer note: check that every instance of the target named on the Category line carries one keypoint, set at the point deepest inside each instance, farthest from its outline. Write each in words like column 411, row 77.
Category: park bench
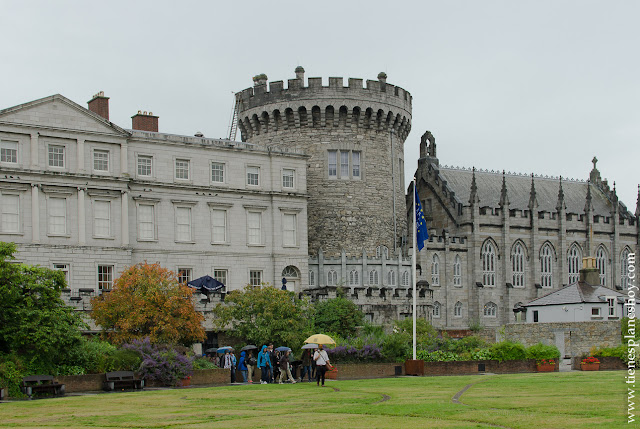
column 33, row 384
column 122, row 380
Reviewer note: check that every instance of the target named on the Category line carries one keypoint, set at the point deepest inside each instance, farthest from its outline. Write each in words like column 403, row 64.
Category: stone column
column 124, row 221
column 35, row 214
column 34, row 151
column 80, row 155
column 82, row 224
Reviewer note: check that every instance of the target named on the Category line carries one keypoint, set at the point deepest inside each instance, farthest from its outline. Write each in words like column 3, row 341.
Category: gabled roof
column 577, row 293
column 86, row 120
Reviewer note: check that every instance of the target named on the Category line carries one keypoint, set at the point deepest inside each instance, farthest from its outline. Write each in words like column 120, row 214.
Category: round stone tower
column 355, row 138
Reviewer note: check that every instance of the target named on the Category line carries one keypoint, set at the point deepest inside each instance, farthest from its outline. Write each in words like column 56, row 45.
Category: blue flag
column 421, row 225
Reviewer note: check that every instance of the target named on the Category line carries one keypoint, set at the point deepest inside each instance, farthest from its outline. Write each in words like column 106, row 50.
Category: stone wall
column 475, row 367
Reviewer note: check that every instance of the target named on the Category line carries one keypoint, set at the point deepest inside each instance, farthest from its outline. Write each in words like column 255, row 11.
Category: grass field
column 546, row 400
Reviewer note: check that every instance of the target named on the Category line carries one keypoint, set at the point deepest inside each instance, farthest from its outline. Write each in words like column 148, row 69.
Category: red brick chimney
column 100, row 104
column 144, row 121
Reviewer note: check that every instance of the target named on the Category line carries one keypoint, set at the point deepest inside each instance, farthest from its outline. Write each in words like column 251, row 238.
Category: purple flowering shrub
column 348, row 353
column 161, row 362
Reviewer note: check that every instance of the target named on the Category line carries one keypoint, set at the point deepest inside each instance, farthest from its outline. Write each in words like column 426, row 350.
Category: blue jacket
column 242, row 366
column 264, row 359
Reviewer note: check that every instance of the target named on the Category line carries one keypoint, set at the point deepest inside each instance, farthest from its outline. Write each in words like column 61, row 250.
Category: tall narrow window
column 183, row 224
column 56, row 156
column 255, row 277
column 182, row 169
column 405, row 278
column 333, row 163
column 391, row 278
column 288, row 176
column 457, row 271
column 546, row 266
column 354, row 279
column 624, row 269
column 436, row 310
column 221, row 276
column 146, row 222
column 184, row 275
column 217, row 172
column 312, row 278
column 601, row 264
column 355, row 160
column 101, row 160
column 490, row 309
column 373, row 277
column 611, row 306
column 105, row 277
column 517, row 264
column 253, row 176
column 145, row 164
column 254, row 227
column 435, row 270
column 57, row 216
column 574, row 262
column 10, row 213
column 332, row 278
column 289, row 228
column 9, row 152
column 488, row 264
column 344, row 164
column 65, row 270
column 102, row 219
column 457, row 309
column 218, row 226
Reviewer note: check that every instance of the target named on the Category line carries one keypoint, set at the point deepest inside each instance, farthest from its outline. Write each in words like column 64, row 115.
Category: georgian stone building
column 500, row 240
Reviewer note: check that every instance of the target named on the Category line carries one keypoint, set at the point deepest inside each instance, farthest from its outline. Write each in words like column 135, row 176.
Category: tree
column 35, row 323
column 338, row 315
column 148, row 301
column 262, row 314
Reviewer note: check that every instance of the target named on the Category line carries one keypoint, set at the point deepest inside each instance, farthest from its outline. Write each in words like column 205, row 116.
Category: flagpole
column 413, row 267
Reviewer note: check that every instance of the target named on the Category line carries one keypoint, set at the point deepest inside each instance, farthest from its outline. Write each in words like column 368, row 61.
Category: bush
column 437, row 356
column 622, row 352
column 161, row 362
column 467, row 344
column 11, row 373
column 541, row 351
column 506, row 350
column 123, row 360
column 482, row 354
column 338, row 315
column 203, row 363
column 344, row 354
column 397, row 347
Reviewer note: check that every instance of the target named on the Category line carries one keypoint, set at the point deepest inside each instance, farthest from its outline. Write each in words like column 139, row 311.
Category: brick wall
column 471, row 367
column 606, row 363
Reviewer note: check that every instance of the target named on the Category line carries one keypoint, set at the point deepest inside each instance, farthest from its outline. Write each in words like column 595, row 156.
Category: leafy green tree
column 35, row 323
column 338, row 315
column 262, row 314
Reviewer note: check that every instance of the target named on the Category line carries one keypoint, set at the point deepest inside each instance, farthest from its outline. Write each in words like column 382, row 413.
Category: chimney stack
column 99, row 104
column 144, row 121
column 589, row 273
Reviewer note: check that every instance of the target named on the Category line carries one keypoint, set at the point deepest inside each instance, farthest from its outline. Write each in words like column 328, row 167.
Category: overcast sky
column 526, row 86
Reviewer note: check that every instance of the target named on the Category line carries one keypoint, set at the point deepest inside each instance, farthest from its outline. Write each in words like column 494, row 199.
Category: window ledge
column 96, row 237
column 596, row 317
column 59, row 235
column 11, row 233
column 185, row 242
column 256, row 245
column 148, row 240
column 220, row 243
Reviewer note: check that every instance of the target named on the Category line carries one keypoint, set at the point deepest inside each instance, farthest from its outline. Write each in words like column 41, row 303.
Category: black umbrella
column 283, row 349
column 206, row 284
column 249, row 347
column 211, row 350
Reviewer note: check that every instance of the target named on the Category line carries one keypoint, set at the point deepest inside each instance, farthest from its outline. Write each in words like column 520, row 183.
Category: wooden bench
column 122, row 380
column 33, row 384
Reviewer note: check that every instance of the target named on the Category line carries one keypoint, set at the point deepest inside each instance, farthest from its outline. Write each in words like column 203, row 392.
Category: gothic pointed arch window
column 373, row 277
column 457, row 271
column 546, row 265
column 354, row 278
column 488, row 263
column 312, row 278
column 436, row 310
column 405, row 278
column 391, row 278
column 574, row 262
column 624, row 268
column 517, row 264
column 457, row 309
column 490, row 309
column 382, row 251
column 435, row 270
column 332, row 278
column 601, row 264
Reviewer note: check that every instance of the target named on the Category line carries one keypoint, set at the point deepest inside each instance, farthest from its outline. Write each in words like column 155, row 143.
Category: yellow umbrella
column 320, row 339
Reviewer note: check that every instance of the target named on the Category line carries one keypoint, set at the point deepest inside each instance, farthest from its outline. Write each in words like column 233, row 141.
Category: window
column 255, row 278
column 253, row 176
column 289, row 227
column 184, row 275
column 535, row 316
column 490, row 309
column 105, row 277
column 574, row 261
column 517, row 264
column 611, row 304
column 290, row 272
column 624, row 269
column 333, row 163
column 382, row 251
column 435, row 270
column 57, row 216
column 182, row 169
column 436, row 310
column 355, row 160
column 546, row 266
column 65, row 270
column 595, row 311
column 344, row 165
column 218, row 226
column 254, row 228
column 457, row 309
column 102, row 218
column 457, row 271
column 391, row 278
column 221, row 276
column 405, row 278
column 10, row 213
column 101, row 160
column 373, row 277
column 601, row 264
column 145, row 165
column 146, row 222
column 56, row 156
column 312, row 278
column 488, row 264
column 332, row 278
column 354, row 278
column 217, row 172
column 9, row 152
column 288, row 178
column 183, row 224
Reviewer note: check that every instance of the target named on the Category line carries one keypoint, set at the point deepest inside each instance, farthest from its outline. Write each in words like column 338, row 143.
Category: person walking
column 284, row 367
column 306, row 364
column 322, row 361
column 250, row 361
column 264, row 363
column 242, row 365
column 275, row 365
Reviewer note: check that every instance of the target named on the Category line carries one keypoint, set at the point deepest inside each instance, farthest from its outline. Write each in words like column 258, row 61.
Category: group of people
column 275, row 366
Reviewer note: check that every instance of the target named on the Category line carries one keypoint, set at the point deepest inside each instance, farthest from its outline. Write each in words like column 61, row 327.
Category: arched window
column 488, row 264
column 435, row 270
column 457, row 309
column 405, row 278
column 354, row 278
column 574, row 262
column 546, row 266
column 312, row 278
column 517, row 264
column 490, row 309
column 291, row 272
column 373, row 277
column 624, row 268
column 601, row 264
column 382, row 251
column 391, row 278
column 457, row 271
column 332, row 278
column 436, row 309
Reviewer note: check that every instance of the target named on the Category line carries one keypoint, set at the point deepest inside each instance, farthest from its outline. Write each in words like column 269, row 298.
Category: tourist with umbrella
column 250, row 361
column 320, row 356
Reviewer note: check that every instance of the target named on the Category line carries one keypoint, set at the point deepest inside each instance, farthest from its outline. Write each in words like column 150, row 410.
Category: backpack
column 252, row 361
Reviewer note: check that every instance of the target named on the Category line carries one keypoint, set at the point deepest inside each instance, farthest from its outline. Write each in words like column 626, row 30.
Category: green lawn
column 546, row 400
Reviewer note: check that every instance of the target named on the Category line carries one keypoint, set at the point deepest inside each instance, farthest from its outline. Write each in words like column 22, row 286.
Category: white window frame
column 344, row 164
column 312, row 278
column 179, row 166
column 153, row 221
column 96, row 219
column 184, row 274
column 5, row 215
column 101, row 152
column 598, row 313
column 457, row 271
column 223, row 273
column 546, row 266
column 391, row 278
column 436, row 310
column 252, row 231
column 7, row 146
column 374, row 279
column 218, row 172
column 146, row 158
column 457, row 310
column 612, row 311
column 354, row 278
column 180, row 228
column 101, row 281
column 255, row 277
column 288, row 178
column 216, row 237
column 517, row 265
column 50, row 225
column 601, row 264
column 51, row 149
column 488, row 256
column 65, row 267
column 289, row 229
column 253, row 175
column 405, row 278
column 332, row 278
column 356, row 166
column 624, row 268
column 574, row 263
column 435, row 270
column 490, row 309
column 332, row 164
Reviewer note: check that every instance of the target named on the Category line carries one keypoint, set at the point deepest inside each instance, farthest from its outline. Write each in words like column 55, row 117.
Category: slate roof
column 577, row 293
column 518, row 191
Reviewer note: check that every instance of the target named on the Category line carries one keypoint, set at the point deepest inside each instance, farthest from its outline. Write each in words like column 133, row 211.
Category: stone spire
column 504, row 199
column 614, row 195
column 473, row 198
column 588, row 205
column 561, row 204
column 533, row 201
column 594, row 176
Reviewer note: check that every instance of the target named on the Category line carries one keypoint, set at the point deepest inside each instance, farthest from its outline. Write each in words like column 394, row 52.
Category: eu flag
column 421, row 225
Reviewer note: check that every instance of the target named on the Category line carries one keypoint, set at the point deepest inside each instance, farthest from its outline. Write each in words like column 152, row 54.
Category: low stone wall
column 474, row 367
column 355, row 371
column 81, row 383
column 606, row 363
